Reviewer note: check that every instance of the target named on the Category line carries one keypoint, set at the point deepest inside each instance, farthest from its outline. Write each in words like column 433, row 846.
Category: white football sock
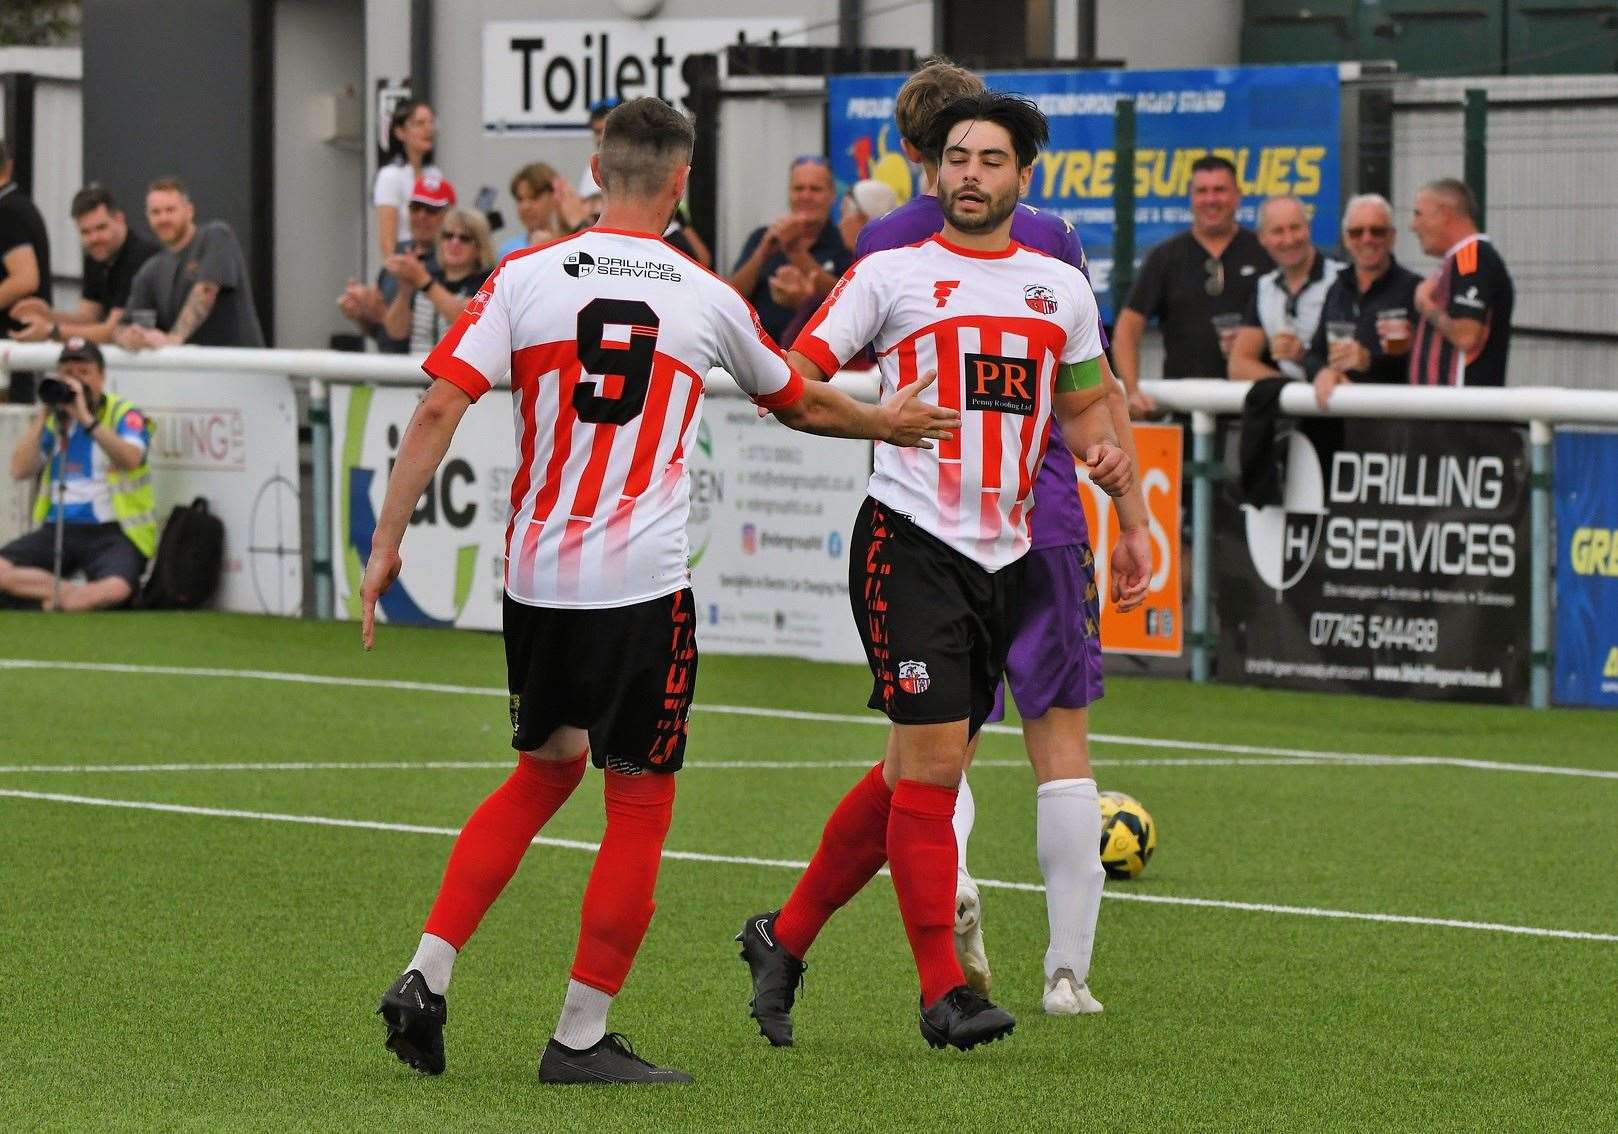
column 1069, row 838
column 966, row 813
column 435, row 960
column 584, row 1016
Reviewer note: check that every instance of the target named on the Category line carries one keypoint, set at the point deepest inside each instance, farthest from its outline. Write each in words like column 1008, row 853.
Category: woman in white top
column 429, row 301
column 411, row 133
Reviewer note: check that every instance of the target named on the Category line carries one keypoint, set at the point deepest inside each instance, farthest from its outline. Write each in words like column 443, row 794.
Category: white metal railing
column 1539, row 408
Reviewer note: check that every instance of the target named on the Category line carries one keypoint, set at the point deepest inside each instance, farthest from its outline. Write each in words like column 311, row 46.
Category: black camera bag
column 190, row 558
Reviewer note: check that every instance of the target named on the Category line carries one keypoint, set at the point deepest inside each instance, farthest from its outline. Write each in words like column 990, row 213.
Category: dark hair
column 936, row 84
column 644, row 141
column 1460, row 198
column 168, row 184
column 401, row 114
column 536, row 175
column 92, row 197
column 1213, row 163
column 1019, row 116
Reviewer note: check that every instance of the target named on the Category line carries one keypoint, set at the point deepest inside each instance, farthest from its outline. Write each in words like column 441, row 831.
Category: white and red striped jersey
column 607, row 336
column 995, row 325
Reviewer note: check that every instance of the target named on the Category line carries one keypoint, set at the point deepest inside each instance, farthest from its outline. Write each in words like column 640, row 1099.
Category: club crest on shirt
column 913, row 677
column 1040, row 298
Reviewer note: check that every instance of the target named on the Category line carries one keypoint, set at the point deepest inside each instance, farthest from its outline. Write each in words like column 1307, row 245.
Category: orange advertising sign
column 1156, row 626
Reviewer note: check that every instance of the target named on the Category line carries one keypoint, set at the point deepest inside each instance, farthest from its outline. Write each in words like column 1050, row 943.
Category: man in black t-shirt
column 1465, row 306
column 197, row 284
column 112, row 255
column 1197, row 285
column 25, row 263
column 799, row 255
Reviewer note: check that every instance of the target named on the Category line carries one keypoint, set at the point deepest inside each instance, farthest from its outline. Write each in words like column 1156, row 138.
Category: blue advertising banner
column 1277, row 125
column 1587, row 569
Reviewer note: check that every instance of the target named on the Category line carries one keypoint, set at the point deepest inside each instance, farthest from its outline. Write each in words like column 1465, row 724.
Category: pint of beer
column 1393, row 328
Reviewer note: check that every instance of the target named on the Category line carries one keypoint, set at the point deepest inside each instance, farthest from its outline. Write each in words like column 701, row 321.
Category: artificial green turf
column 167, row 971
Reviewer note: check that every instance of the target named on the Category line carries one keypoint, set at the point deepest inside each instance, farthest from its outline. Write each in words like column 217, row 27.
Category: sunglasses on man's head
column 1361, row 231
column 1215, row 283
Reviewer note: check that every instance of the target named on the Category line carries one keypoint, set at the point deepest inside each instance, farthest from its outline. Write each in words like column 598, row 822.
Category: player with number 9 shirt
column 607, row 336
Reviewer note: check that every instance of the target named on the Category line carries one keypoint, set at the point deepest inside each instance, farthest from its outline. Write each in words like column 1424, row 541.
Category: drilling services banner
column 1277, row 125
column 1587, row 569
column 1396, row 563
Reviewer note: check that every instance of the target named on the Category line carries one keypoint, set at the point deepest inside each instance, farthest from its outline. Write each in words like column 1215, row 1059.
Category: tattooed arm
column 198, row 306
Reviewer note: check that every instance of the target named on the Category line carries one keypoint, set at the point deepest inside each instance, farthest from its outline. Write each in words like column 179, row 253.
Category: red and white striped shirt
column 607, row 336
column 995, row 325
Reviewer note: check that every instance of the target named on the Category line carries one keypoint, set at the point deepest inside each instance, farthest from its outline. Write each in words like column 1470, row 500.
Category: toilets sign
column 543, row 75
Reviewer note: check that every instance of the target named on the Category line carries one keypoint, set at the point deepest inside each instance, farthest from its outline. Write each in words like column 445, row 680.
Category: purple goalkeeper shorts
column 1055, row 656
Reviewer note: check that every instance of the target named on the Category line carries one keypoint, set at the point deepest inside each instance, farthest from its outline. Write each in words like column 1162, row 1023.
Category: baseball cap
column 433, row 191
column 79, row 349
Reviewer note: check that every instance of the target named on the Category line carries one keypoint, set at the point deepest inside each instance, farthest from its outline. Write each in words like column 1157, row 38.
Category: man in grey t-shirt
column 197, row 285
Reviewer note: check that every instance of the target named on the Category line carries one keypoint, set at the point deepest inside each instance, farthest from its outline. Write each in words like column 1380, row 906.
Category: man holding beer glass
column 1367, row 321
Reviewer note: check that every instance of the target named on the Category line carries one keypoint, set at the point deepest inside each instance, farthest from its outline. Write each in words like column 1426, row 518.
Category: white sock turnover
column 435, row 960
column 1069, row 838
column 584, row 1016
column 966, row 813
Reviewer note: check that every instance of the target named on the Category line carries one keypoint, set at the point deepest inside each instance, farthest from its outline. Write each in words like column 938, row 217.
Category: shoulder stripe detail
column 1466, row 260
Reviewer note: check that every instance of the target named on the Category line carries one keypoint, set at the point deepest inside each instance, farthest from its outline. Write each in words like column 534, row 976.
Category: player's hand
column 380, row 571
column 910, row 422
column 1141, row 404
column 1130, row 569
column 1110, row 468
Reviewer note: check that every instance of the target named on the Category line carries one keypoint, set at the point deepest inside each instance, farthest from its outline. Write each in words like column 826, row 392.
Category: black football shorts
column 936, row 625
column 623, row 674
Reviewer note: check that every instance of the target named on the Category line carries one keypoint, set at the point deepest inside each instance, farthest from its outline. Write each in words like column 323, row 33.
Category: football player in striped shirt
column 1054, row 664
column 607, row 336
column 936, row 564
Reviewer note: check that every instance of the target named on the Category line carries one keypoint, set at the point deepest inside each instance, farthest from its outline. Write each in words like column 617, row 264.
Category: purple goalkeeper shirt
column 1057, row 520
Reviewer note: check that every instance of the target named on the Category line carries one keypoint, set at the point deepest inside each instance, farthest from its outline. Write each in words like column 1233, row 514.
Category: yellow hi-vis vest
column 134, row 505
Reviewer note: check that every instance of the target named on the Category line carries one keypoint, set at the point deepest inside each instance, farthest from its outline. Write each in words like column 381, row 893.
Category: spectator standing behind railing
column 1196, row 285
column 196, row 289
column 1464, row 334
column 97, row 443
column 25, row 264
column 1365, row 329
column 412, row 130
column 428, row 302
column 368, row 306
column 547, row 207
column 1281, row 318
column 112, row 256
column 804, row 239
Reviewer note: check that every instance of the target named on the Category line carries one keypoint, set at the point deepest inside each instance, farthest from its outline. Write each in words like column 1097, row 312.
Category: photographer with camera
column 96, row 510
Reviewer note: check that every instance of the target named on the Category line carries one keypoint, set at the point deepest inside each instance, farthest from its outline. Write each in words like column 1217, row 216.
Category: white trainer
column 1065, row 996
column 969, row 934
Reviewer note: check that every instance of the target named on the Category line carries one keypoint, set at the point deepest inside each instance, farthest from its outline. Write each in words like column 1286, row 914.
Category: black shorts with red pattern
column 623, row 674
column 935, row 623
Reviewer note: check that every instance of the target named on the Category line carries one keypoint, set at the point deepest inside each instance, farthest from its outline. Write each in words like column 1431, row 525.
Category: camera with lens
column 55, row 392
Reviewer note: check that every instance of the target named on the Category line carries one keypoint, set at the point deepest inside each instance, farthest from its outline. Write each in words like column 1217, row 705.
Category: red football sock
column 492, row 843
column 852, row 849
column 921, row 853
column 618, row 900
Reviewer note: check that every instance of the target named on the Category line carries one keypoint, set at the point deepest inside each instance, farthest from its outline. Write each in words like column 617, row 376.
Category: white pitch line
column 695, row 765
column 794, row 864
column 827, row 718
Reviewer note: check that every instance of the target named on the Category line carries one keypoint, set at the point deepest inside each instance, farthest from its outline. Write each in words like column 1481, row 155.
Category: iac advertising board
column 1396, row 564
column 771, row 513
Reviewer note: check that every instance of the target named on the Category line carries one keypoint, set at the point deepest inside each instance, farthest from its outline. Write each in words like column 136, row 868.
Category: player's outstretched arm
column 901, row 419
column 426, row 440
